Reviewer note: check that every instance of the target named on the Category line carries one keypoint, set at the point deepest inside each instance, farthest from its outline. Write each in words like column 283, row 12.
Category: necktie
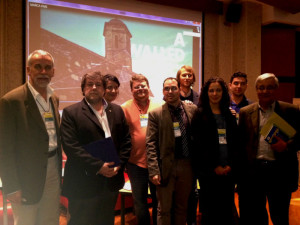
column 184, row 137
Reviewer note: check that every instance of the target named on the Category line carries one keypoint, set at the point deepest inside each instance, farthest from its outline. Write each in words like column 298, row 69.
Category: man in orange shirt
column 136, row 113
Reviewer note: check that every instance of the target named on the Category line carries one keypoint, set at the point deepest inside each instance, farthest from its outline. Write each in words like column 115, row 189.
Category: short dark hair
column 113, row 78
column 171, row 78
column 96, row 74
column 188, row 69
column 238, row 74
column 204, row 99
column 138, row 77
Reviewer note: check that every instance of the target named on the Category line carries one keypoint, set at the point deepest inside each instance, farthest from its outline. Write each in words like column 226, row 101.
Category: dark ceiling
column 292, row 6
column 214, row 6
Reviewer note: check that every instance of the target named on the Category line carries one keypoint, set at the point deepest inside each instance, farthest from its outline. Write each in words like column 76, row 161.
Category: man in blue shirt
column 237, row 86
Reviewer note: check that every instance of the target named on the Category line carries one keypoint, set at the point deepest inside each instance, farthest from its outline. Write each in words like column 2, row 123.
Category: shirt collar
column 271, row 108
column 36, row 94
column 174, row 109
column 104, row 102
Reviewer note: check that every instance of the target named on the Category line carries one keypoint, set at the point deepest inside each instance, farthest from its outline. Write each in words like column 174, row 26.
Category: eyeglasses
column 173, row 88
column 268, row 88
column 40, row 67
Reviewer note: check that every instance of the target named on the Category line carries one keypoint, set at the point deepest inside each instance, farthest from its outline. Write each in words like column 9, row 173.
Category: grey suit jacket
column 160, row 140
column 249, row 130
column 24, row 143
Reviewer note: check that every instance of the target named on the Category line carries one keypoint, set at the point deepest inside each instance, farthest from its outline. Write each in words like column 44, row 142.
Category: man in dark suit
column 91, row 184
column 30, row 148
column 268, row 171
column 168, row 143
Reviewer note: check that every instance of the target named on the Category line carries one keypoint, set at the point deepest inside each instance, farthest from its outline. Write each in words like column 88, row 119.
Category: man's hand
column 227, row 169
column 220, row 170
column 280, row 145
column 107, row 171
column 117, row 168
column 233, row 112
column 188, row 102
column 155, row 180
column 15, row 197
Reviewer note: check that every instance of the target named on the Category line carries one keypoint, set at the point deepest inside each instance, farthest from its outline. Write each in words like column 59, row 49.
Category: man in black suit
column 268, row 171
column 91, row 184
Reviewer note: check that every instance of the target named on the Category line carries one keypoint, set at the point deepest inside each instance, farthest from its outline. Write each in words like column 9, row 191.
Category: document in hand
column 277, row 126
column 105, row 150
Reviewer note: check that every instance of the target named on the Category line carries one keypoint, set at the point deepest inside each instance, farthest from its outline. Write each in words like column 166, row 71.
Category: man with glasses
column 91, row 183
column 136, row 112
column 30, row 148
column 168, row 145
column 268, row 171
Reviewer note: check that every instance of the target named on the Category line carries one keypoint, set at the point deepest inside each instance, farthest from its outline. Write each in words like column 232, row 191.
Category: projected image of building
column 74, row 61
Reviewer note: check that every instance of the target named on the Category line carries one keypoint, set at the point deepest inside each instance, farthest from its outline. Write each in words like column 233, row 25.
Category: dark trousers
column 192, row 206
column 218, row 200
column 265, row 184
column 97, row 210
column 139, row 179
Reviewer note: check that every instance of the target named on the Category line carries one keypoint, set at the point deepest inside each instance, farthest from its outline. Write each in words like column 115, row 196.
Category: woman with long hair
column 216, row 141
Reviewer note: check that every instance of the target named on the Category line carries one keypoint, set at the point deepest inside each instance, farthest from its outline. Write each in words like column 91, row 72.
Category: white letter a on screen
column 179, row 40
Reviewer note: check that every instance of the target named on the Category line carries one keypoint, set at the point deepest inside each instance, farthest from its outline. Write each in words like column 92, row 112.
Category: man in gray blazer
column 168, row 145
column 30, row 148
column 268, row 171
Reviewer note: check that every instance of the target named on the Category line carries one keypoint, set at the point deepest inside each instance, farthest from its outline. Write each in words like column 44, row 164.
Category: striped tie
column 184, row 136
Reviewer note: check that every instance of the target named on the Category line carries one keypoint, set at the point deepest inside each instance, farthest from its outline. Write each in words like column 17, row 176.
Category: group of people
column 165, row 146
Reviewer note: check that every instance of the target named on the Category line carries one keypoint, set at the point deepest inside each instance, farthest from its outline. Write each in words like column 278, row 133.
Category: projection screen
column 101, row 36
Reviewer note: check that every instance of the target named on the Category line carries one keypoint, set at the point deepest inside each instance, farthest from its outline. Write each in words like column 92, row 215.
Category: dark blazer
column 24, row 144
column 195, row 97
column 205, row 154
column 249, row 128
column 79, row 127
column 160, row 140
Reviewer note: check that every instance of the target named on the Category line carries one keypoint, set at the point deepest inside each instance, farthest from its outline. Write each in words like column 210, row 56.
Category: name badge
column 49, row 120
column 176, row 128
column 222, row 136
column 144, row 120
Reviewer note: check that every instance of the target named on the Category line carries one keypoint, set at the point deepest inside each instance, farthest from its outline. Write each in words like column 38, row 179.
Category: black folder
column 105, row 150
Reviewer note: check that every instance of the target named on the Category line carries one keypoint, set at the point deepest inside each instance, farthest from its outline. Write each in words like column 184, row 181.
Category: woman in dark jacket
column 216, row 144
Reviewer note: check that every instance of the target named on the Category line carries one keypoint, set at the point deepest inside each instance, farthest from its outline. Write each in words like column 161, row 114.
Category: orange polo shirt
column 137, row 130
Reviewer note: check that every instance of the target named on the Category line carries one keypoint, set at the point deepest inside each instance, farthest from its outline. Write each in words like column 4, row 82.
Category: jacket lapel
column 255, row 118
column 188, row 113
column 110, row 117
column 166, row 118
column 32, row 108
column 88, row 112
column 54, row 105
